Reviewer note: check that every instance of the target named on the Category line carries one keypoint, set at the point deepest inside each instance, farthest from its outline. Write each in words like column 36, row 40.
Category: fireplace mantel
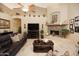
column 56, row 24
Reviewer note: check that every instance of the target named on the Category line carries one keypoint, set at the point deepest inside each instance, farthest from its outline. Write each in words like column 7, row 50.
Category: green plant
column 42, row 34
column 64, row 32
column 42, row 31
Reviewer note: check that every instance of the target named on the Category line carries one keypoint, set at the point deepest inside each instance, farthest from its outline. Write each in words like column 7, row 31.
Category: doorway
column 33, row 30
column 16, row 25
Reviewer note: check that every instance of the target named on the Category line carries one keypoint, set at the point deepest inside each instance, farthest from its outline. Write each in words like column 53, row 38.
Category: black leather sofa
column 40, row 46
column 10, row 48
column 5, row 33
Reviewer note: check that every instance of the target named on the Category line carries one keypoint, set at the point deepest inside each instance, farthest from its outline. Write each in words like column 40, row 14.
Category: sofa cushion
column 20, row 36
column 15, row 38
column 5, row 41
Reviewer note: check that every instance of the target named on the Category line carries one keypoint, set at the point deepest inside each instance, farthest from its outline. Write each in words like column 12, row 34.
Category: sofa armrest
column 13, row 48
column 4, row 54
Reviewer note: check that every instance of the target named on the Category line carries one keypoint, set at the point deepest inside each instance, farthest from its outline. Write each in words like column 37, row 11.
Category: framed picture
column 71, row 21
column 77, row 23
column 77, row 18
column 4, row 24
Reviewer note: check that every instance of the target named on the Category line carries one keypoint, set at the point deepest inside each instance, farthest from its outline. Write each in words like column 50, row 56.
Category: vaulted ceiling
column 25, row 5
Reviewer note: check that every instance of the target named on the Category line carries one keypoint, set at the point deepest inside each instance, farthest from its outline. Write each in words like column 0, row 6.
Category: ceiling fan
column 30, row 7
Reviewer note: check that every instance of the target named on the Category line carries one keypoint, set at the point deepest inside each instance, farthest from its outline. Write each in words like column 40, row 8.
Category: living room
column 54, row 25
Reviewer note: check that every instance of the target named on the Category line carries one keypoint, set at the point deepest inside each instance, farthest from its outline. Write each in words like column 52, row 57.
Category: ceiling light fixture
column 25, row 9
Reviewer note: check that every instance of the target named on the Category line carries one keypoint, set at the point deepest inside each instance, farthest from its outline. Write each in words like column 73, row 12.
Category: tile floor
column 60, row 44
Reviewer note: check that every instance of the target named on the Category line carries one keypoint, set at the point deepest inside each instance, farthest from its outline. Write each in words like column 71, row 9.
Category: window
column 17, row 13
column 55, row 17
column 38, row 15
column 29, row 15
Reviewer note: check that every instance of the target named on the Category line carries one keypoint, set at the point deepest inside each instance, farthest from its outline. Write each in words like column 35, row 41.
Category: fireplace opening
column 33, row 30
column 53, row 32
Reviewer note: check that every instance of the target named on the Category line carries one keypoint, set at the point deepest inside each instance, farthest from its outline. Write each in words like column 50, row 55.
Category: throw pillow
column 20, row 36
column 15, row 38
column 45, row 40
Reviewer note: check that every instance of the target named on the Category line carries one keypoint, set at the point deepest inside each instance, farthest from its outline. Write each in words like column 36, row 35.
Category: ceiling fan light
column 25, row 10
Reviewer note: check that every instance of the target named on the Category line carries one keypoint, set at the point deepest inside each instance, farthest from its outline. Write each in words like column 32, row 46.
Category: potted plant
column 64, row 32
column 42, row 34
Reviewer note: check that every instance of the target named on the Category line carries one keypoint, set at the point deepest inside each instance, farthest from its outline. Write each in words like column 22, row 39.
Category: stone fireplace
column 55, row 28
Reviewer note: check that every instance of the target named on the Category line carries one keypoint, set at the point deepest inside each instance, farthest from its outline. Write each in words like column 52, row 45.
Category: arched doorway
column 16, row 25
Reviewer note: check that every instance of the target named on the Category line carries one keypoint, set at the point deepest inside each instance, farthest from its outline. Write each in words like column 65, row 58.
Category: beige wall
column 5, row 14
column 10, row 15
column 73, row 10
column 66, row 12
column 40, row 20
column 24, row 21
column 61, row 8
column 7, row 17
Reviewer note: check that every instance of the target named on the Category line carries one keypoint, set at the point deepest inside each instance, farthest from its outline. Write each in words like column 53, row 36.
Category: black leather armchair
column 41, row 46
